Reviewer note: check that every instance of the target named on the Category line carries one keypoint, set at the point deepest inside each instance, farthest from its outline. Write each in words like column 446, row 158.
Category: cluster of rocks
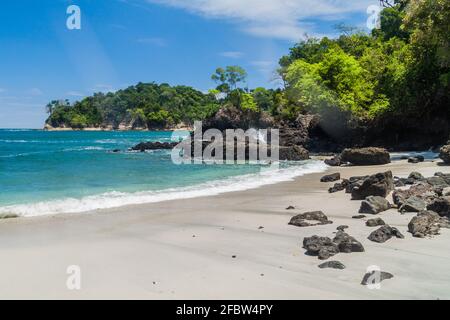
column 428, row 197
column 325, row 247
column 427, row 223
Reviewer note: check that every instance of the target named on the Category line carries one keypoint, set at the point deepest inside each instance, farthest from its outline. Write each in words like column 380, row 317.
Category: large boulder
column 375, row 222
column 331, row 177
column 427, row 223
column 413, row 204
column 374, row 205
column 380, row 184
column 334, row 161
column 301, row 219
column 444, row 154
column 385, row 233
column 441, row 206
column 421, row 190
column 366, row 156
column 347, row 243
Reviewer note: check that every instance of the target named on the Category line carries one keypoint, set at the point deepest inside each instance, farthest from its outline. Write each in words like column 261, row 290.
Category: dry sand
column 184, row 249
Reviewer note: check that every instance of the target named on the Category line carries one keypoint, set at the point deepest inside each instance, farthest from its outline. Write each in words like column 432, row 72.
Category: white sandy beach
column 184, row 249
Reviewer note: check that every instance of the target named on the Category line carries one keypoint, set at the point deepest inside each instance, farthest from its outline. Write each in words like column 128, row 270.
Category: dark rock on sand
column 366, row 156
column 384, row 234
column 413, row 160
column 290, row 208
column 334, row 162
column 413, row 204
column 322, row 247
column 444, row 154
column 441, row 206
column 342, row 228
column 375, row 222
column 437, row 182
column 331, row 177
column 421, row 189
column 374, row 205
column 375, row 276
column 347, row 243
column 337, row 187
column 301, row 219
column 427, row 223
column 361, row 216
column 346, row 185
column 416, row 176
column 332, row 265
column 380, row 184
column 353, row 183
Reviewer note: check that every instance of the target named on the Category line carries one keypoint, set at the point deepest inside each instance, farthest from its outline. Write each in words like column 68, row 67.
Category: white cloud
column 282, row 19
column 159, row 42
column 36, row 92
column 105, row 88
column 75, row 94
column 232, row 54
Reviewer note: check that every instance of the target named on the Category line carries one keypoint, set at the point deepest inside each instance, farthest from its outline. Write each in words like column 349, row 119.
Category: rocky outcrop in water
column 148, row 146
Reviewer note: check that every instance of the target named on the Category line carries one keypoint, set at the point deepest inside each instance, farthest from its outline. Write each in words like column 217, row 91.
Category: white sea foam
column 119, row 199
column 428, row 155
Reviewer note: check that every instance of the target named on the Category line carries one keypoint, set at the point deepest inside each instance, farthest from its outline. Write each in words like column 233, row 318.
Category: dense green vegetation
column 400, row 71
column 139, row 106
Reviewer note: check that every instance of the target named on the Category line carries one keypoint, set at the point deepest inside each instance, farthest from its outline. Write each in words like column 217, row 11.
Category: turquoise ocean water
column 60, row 172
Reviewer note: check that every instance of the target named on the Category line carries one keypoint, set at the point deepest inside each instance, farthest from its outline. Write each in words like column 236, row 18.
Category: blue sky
column 122, row 42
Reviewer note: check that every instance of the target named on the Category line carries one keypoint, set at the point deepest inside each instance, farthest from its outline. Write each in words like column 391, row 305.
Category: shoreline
column 118, row 199
column 100, row 129
column 160, row 250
